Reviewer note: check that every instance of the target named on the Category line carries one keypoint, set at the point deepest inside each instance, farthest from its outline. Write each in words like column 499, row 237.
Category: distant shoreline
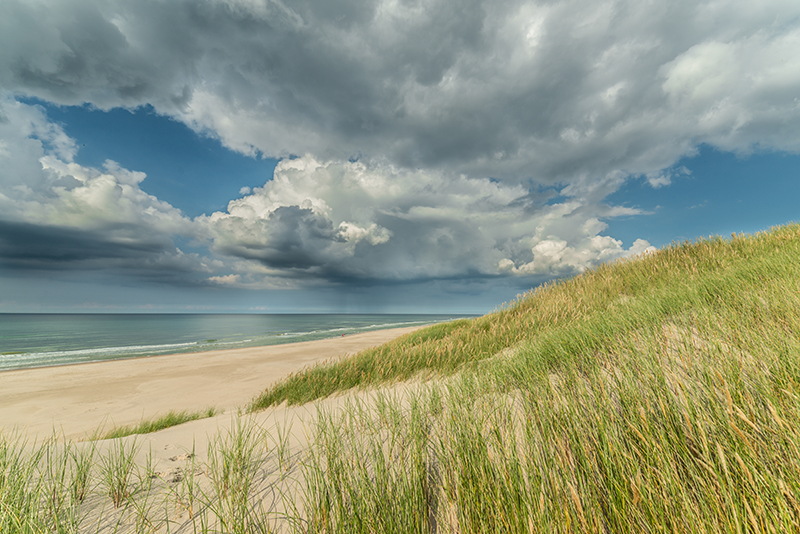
column 78, row 398
column 201, row 352
column 36, row 341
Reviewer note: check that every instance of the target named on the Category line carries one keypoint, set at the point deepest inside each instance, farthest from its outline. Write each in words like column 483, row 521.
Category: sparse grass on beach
column 41, row 486
column 660, row 394
column 171, row 418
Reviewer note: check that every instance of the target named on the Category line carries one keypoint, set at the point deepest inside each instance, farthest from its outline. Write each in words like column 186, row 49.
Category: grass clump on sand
column 41, row 485
column 100, row 487
column 171, row 418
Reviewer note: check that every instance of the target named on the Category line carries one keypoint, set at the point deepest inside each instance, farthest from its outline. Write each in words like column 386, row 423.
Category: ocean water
column 41, row 340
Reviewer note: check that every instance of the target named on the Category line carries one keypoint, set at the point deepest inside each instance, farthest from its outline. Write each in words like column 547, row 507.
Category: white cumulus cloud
column 339, row 221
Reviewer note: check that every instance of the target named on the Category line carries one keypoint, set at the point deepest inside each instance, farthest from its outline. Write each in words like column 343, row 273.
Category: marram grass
column 656, row 395
column 171, row 418
column 577, row 315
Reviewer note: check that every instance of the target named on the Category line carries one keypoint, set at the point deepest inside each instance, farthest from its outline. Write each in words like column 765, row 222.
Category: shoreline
column 76, row 399
column 197, row 352
column 68, row 339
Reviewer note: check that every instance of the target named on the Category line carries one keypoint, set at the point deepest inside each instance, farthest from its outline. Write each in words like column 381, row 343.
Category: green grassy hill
column 746, row 278
column 660, row 394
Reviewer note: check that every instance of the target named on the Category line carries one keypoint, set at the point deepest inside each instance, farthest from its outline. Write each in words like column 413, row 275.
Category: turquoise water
column 41, row 340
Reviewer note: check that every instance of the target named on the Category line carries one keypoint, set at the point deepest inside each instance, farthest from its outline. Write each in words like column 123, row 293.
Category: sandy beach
column 76, row 400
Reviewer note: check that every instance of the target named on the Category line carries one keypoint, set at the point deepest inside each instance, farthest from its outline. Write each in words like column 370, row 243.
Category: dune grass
column 171, row 418
column 73, row 488
column 587, row 310
column 658, row 395
column 41, row 486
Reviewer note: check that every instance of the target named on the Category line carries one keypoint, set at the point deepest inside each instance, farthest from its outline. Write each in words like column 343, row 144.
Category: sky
column 268, row 156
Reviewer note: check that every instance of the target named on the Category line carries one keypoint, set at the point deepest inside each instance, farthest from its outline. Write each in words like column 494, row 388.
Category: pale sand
column 78, row 399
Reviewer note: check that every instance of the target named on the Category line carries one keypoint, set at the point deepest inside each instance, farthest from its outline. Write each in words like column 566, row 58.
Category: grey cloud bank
column 542, row 90
column 432, row 140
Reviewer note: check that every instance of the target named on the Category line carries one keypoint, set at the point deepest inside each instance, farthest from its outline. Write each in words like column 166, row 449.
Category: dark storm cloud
column 73, row 52
column 511, row 89
column 31, row 247
column 291, row 238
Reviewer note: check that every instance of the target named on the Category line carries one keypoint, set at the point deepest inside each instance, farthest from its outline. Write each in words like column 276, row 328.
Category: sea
column 42, row 340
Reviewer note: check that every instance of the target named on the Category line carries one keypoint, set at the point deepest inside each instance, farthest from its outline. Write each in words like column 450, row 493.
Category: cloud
column 342, row 222
column 421, row 140
column 554, row 257
column 56, row 214
column 512, row 89
column 314, row 223
column 229, row 279
column 37, row 247
column 659, row 179
column 739, row 93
